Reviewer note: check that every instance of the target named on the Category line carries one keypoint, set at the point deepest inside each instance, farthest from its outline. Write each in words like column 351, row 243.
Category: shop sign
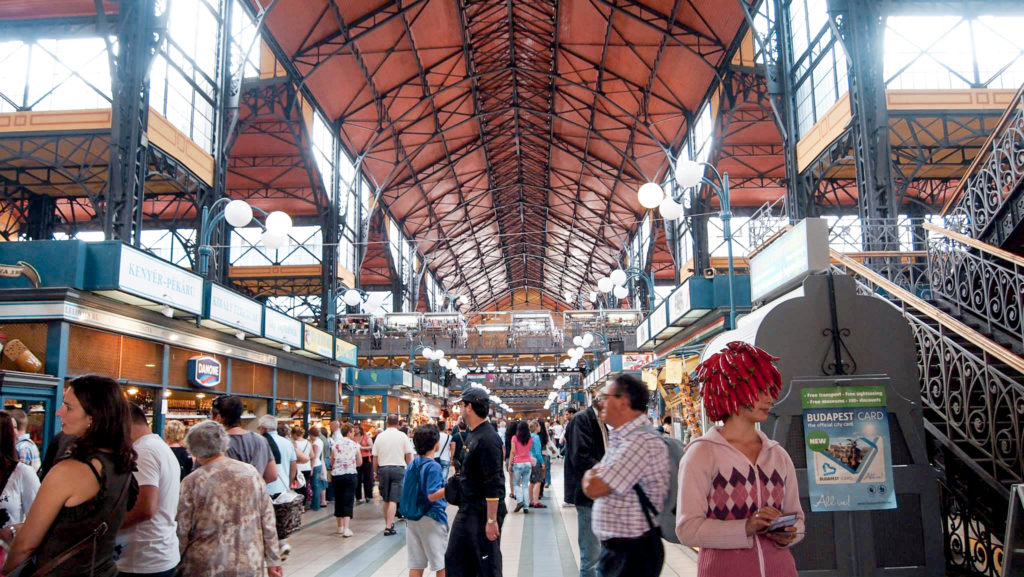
column 234, row 310
column 659, row 320
column 21, row 269
column 407, row 379
column 318, row 342
column 417, row 384
column 635, row 362
column 643, row 333
column 282, row 328
column 345, row 352
column 204, row 372
column 162, row 282
column 679, row 302
column 849, row 456
column 787, row 261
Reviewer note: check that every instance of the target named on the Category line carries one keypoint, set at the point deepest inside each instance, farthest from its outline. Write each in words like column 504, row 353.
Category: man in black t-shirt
column 474, row 544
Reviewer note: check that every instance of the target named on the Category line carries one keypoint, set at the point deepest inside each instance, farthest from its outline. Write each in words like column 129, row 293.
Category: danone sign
column 204, row 372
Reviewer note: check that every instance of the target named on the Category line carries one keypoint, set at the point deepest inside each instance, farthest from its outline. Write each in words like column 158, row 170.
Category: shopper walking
column 225, row 518
column 732, row 464
column 18, row 482
column 444, row 444
column 627, row 482
column 148, row 541
column 318, row 485
column 345, row 459
column 585, row 441
column 285, row 461
column 537, row 468
column 545, row 440
column 174, row 434
column 364, row 488
column 28, row 452
column 95, row 476
column 474, row 546
column 426, row 537
column 244, row 446
column 459, row 436
column 392, row 451
column 304, row 461
column 520, row 466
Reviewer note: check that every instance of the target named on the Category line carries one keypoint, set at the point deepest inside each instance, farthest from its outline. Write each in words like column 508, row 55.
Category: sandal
column 539, row 505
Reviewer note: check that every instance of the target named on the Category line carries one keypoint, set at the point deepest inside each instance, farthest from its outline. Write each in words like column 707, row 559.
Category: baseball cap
column 474, row 395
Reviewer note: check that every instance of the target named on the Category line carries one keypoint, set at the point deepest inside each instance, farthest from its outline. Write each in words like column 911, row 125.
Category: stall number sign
column 204, row 372
column 849, row 456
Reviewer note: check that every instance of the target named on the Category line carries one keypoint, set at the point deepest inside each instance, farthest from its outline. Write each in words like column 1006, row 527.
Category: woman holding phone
column 734, row 482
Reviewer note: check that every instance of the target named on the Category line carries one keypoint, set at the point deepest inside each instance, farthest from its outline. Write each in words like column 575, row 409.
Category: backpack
column 413, row 504
column 666, row 515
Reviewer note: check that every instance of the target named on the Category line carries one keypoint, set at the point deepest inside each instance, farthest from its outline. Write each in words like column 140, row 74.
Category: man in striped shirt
column 634, row 466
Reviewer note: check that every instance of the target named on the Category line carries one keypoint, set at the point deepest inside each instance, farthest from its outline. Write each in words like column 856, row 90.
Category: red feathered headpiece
column 734, row 377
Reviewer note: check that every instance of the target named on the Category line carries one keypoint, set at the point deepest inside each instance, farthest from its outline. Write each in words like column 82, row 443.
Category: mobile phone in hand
column 781, row 523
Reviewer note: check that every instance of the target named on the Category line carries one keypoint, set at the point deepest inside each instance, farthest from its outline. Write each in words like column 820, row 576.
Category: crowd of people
column 110, row 497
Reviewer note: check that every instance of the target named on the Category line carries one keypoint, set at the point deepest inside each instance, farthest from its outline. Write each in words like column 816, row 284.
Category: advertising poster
column 849, row 457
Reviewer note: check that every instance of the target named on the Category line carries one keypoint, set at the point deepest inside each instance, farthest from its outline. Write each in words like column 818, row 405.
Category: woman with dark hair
column 520, row 465
column 18, row 481
column 74, row 520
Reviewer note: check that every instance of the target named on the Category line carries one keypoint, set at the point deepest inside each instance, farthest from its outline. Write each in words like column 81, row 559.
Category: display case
column 402, row 324
column 355, row 324
column 291, row 411
column 189, row 407
column 622, row 318
column 442, row 323
column 145, row 397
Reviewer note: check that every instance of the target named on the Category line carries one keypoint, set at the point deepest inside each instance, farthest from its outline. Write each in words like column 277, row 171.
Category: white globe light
column 621, row 292
column 605, row 284
column 273, row 241
column 578, row 341
column 593, row 296
column 588, row 339
column 618, row 277
column 238, row 213
column 428, row 353
column 463, row 299
column 453, row 363
column 438, row 354
column 443, row 363
column 568, row 296
column 650, row 195
column 278, row 223
column 352, row 297
column 689, row 173
column 670, row 209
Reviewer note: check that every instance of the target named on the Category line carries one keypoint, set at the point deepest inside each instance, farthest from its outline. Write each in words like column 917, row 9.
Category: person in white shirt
column 287, row 470
column 147, row 543
column 392, row 452
column 446, row 444
column 20, row 483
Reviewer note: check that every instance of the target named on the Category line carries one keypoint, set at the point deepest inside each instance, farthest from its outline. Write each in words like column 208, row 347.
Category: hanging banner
column 849, row 456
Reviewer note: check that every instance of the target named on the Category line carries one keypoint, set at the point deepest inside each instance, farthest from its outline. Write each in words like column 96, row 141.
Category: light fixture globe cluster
column 238, row 214
column 614, row 283
column 352, row 297
column 561, row 381
column 450, row 364
column 583, row 341
column 688, row 173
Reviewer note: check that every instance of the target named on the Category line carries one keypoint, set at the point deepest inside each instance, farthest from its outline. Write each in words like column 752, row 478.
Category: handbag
column 299, row 482
column 90, row 539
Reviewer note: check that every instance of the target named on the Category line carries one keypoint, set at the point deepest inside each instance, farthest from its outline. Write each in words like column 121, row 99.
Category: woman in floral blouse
column 226, row 523
column 345, row 460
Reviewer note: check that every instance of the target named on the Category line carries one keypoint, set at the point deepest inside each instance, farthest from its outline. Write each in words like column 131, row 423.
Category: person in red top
column 364, row 486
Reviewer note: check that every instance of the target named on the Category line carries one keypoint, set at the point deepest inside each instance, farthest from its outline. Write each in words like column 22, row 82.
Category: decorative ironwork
column 968, row 397
column 996, row 178
column 967, row 532
column 768, row 221
column 978, row 284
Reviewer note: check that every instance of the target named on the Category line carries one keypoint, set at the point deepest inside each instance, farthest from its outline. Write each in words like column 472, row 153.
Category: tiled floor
column 541, row 544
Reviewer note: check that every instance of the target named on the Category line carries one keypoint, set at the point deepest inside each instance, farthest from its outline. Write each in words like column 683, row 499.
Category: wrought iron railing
column 971, row 545
column 996, row 174
column 978, row 283
column 766, row 222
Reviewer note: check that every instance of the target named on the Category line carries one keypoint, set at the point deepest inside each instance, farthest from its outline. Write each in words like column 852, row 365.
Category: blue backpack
column 413, row 504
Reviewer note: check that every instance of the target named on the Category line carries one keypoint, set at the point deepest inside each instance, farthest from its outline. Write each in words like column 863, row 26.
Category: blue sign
column 204, row 372
column 849, row 454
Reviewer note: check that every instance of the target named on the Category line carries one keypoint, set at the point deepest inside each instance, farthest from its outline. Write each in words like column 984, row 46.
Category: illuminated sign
column 204, row 372
column 318, row 342
column 786, row 262
column 234, row 310
column 151, row 278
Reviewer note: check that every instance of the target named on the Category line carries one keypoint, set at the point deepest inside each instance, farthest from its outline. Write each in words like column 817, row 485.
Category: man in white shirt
column 147, row 543
column 392, row 452
column 287, row 467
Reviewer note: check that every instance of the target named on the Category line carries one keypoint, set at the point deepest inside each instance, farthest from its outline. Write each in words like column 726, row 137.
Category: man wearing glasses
column 474, row 545
column 634, row 470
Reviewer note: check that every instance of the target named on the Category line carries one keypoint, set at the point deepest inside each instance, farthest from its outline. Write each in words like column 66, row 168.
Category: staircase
column 988, row 205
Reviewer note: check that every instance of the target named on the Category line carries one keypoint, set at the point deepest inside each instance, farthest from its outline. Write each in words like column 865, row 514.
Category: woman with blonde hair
column 174, row 434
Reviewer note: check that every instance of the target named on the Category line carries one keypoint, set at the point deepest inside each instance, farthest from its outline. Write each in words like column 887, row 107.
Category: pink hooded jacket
column 719, row 488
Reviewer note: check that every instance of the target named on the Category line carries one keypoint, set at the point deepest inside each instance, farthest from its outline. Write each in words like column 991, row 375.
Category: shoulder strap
column 650, row 512
column 90, row 539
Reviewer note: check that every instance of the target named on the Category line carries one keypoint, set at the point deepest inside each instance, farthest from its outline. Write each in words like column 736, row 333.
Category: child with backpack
column 423, row 505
